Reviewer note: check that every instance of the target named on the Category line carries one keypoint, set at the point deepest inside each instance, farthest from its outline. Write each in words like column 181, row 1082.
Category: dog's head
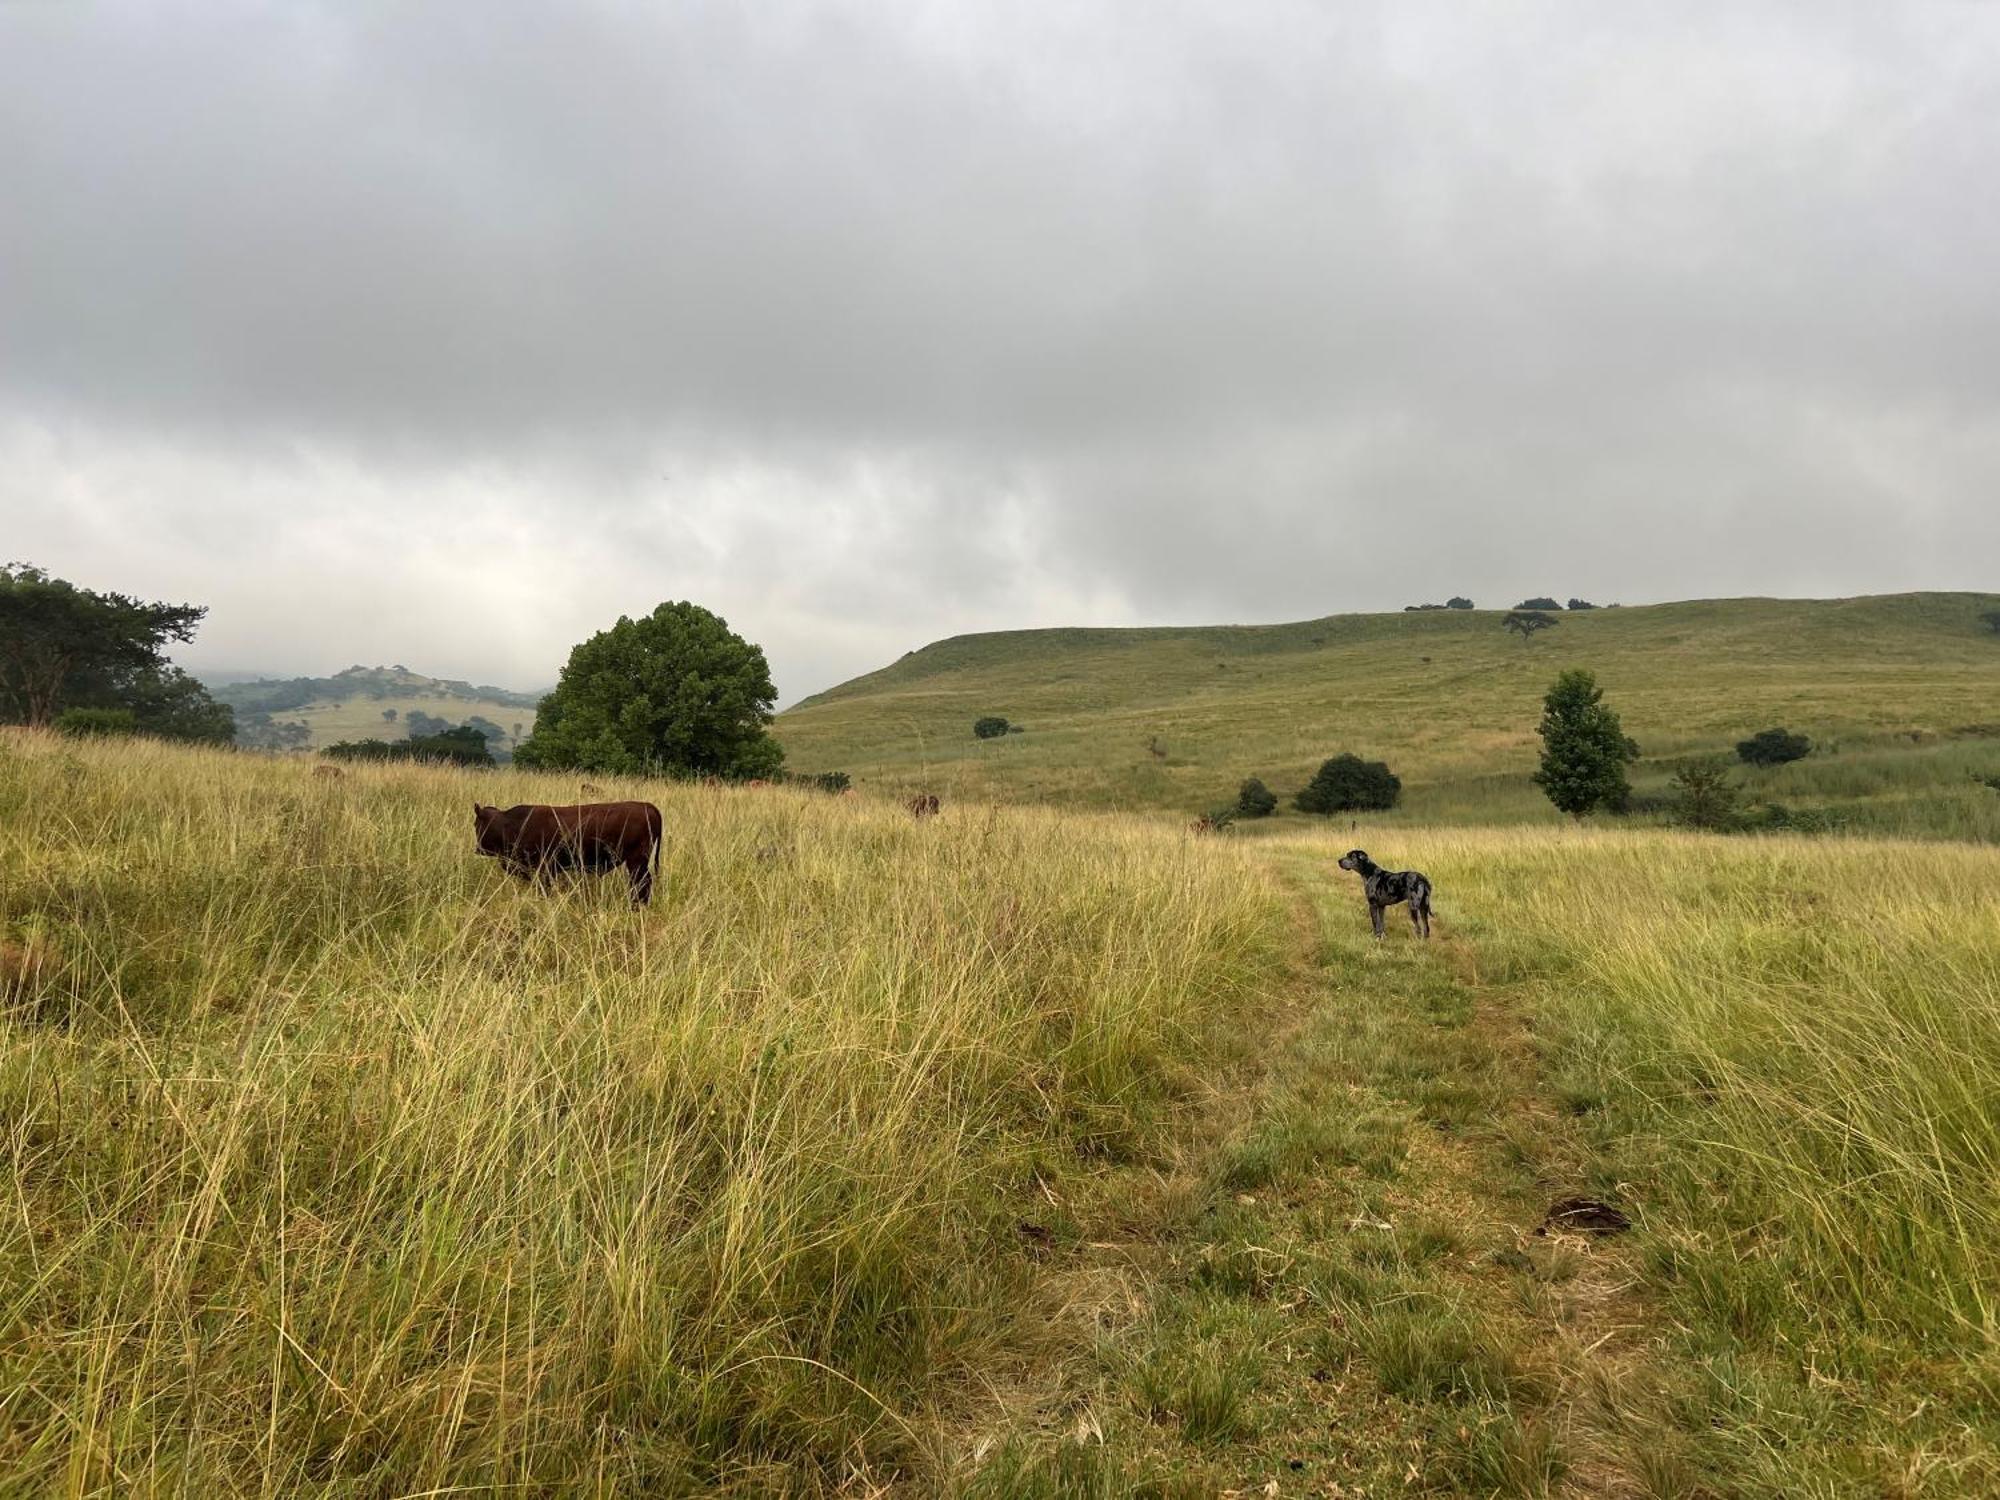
column 1354, row 859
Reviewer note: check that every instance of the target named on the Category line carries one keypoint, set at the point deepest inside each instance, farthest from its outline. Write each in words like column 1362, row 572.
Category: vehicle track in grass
column 1338, row 1288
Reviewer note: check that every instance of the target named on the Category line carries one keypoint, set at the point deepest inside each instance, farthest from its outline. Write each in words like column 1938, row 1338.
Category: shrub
column 1347, row 783
column 96, row 723
column 1541, row 603
column 1704, row 796
column 1774, row 747
column 1458, row 601
column 1255, row 800
column 1581, row 604
column 1775, row 817
column 833, row 783
column 991, row 727
column 1991, row 620
column 463, row 746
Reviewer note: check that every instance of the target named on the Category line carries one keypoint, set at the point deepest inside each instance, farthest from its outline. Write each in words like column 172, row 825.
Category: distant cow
column 541, row 841
column 924, row 805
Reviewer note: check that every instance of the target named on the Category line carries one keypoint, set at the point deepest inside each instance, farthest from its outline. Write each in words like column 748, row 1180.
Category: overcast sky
column 444, row 334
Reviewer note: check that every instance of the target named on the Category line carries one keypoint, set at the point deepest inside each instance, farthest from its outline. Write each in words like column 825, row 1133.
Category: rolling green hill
column 1902, row 692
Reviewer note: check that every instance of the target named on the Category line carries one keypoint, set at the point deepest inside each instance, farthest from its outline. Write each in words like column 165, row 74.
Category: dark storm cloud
column 451, row 332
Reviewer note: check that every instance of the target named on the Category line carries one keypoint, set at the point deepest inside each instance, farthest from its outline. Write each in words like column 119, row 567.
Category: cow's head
column 488, row 827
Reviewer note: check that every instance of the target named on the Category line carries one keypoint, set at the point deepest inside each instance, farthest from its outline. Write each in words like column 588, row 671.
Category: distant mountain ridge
column 277, row 695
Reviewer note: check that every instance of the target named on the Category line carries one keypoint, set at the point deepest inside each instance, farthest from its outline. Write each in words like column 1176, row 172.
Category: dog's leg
column 1375, row 918
column 1416, row 920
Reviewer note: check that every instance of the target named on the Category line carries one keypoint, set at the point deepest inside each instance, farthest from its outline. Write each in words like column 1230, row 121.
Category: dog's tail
column 1421, row 897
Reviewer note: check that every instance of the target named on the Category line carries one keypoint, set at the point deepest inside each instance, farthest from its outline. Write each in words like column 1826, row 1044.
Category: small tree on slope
column 1584, row 748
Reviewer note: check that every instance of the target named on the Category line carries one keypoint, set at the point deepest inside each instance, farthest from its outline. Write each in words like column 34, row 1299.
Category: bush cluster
column 1347, row 783
column 1255, row 800
column 464, row 746
column 1773, row 747
column 96, row 723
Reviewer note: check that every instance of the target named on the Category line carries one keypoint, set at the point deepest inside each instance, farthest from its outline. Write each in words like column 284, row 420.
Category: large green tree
column 673, row 693
column 1584, row 748
column 64, row 647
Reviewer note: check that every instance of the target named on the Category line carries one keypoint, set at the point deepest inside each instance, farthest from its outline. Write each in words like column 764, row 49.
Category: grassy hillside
column 1011, row 1153
column 1903, row 692
column 337, row 1163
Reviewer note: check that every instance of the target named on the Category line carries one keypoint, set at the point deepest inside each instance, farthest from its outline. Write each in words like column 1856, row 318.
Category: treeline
column 462, row 746
column 95, row 663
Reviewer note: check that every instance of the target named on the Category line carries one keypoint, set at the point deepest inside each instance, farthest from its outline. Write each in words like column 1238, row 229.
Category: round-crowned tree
column 675, row 692
column 1347, row 783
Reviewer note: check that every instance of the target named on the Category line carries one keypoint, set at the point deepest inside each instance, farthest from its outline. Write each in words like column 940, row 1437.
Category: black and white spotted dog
column 1384, row 888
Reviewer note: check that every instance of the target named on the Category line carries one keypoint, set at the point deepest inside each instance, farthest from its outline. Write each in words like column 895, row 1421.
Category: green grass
column 1449, row 699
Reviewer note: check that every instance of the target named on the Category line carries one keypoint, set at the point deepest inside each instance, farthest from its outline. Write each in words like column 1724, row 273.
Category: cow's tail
column 659, row 831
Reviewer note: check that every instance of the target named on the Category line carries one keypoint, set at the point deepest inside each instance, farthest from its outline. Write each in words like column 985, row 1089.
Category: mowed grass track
column 1902, row 691
column 337, row 1163
column 1781, row 1057
column 1784, row 1057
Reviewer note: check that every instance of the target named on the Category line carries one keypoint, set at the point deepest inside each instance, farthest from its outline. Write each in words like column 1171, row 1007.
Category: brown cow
column 924, row 805
column 541, row 841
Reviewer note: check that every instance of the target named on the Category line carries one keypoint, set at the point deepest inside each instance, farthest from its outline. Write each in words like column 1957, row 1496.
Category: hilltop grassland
column 1903, row 692
column 340, row 1164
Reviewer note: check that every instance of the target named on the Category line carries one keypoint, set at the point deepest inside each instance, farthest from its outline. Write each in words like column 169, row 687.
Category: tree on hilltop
column 675, row 692
column 1541, row 603
column 1525, row 622
column 1584, row 748
column 1458, row 601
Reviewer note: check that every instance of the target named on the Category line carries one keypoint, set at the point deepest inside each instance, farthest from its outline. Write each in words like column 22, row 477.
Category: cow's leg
column 642, row 881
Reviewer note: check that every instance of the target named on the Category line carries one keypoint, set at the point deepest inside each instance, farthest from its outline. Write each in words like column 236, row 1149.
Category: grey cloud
column 868, row 323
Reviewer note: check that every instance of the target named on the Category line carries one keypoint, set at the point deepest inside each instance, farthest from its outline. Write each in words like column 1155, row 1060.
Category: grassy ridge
column 1449, row 699
column 341, row 1164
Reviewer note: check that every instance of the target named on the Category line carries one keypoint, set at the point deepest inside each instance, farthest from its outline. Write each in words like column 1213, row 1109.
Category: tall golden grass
column 1786, row 1053
column 339, row 1163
